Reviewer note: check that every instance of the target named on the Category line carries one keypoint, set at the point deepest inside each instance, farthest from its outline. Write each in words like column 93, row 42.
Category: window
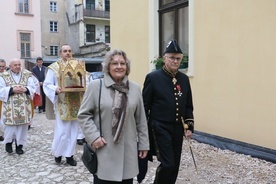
column 53, row 6
column 23, row 6
column 53, row 50
column 25, row 45
column 173, row 17
column 107, row 5
column 166, row 2
column 53, row 26
column 90, row 33
column 90, row 4
column 107, row 34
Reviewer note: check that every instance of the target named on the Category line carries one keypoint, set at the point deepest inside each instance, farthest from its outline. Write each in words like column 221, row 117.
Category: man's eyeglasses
column 178, row 59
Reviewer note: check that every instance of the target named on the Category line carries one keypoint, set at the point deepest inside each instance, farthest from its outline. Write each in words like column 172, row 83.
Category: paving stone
column 37, row 165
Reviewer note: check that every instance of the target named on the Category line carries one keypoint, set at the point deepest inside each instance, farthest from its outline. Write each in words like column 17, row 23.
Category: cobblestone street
column 37, row 164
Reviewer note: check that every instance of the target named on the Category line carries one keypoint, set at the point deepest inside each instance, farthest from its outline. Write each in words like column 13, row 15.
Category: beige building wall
column 234, row 84
column 129, row 26
column 232, row 61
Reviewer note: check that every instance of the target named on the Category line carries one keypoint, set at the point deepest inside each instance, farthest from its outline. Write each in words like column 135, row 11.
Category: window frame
column 53, row 7
column 107, row 34
column 18, row 12
column 54, row 50
column 52, row 27
column 170, row 7
column 19, row 42
column 90, row 33
column 90, row 7
column 107, row 5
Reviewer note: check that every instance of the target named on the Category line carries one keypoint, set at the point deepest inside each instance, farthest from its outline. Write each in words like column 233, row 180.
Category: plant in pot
column 159, row 62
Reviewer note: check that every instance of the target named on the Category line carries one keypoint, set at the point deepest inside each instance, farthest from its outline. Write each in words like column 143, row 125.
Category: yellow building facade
column 231, row 61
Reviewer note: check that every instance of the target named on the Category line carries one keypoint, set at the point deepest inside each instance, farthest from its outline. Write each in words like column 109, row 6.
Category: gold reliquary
column 73, row 76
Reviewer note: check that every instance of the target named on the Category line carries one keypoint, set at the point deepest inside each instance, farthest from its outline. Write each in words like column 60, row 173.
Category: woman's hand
column 98, row 143
column 143, row 153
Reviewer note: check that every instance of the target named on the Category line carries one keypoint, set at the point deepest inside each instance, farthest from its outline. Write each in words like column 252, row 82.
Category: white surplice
column 66, row 132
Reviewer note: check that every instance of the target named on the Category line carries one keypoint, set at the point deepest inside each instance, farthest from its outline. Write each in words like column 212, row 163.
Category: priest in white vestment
column 65, row 106
column 16, row 92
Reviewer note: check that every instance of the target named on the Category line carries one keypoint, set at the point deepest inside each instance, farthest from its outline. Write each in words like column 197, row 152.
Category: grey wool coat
column 116, row 162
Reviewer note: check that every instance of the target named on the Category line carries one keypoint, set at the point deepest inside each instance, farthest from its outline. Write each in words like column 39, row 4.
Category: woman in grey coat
column 124, row 124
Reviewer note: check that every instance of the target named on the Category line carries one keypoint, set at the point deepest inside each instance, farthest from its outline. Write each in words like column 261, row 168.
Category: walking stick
column 185, row 126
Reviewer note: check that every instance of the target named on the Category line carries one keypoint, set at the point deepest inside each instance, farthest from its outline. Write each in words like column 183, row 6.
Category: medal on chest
column 178, row 87
column 174, row 81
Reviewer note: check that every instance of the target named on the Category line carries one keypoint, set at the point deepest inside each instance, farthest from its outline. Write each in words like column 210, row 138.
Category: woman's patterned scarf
column 119, row 109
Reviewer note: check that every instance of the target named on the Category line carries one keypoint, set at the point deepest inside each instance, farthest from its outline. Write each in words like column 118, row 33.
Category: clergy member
column 65, row 110
column 16, row 92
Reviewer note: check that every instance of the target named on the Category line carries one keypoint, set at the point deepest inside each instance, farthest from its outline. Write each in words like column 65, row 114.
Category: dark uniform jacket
column 168, row 102
column 165, row 101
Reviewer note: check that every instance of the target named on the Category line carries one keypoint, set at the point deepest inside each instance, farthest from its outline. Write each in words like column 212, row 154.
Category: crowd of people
column 126, row 126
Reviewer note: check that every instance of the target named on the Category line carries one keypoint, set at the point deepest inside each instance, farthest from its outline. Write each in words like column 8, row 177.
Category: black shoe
column 58, row 160
column 29, row 127
column 9, row 147
column 71, row 161
column 40, row 111
column 80, row 141
column 19, row 150
column 44, row 110
column 1, row 138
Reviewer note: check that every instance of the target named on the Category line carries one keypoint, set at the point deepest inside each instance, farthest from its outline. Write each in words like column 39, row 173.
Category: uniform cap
column 173, row 47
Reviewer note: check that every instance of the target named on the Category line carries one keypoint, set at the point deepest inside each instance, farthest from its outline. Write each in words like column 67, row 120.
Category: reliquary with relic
column 73, row 76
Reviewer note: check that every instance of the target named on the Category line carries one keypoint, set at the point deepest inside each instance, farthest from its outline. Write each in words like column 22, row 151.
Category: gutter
column 236, row 146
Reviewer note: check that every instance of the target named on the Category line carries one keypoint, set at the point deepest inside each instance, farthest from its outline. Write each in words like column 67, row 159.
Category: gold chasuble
column 71, row 78
column 17, row 110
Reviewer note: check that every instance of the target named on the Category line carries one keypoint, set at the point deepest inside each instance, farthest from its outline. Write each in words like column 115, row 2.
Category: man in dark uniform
column 39, row 72
column 167, row 99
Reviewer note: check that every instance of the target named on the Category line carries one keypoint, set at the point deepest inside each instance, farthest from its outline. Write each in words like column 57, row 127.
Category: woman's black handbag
column 89, row 156
column 89, row 159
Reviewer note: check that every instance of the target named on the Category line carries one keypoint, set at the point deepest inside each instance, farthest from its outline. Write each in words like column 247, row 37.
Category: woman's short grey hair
column 109, row 57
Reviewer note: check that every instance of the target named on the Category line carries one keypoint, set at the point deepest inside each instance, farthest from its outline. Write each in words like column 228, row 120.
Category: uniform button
column 176, row 114
column 176, row 98
column 176, row 119
column 174, row 88
column 176, row 103
column 176, row 109
column 175, row 94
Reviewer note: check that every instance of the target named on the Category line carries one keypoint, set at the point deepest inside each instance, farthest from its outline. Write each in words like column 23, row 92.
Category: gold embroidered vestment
column 17, row 110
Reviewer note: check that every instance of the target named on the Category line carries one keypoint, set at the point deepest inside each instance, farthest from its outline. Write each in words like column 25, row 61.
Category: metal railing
column 96, row 13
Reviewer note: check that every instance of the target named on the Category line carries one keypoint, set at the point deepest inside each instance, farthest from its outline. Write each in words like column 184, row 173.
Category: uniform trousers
column 99, row 181
column 168, row 141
